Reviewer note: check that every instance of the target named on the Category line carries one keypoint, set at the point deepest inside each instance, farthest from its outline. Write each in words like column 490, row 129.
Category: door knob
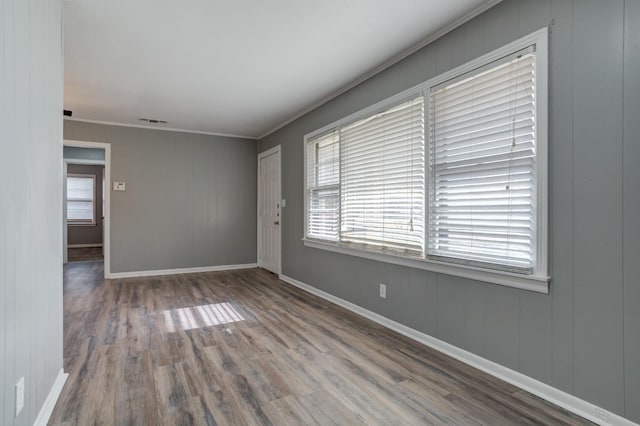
column 277, row 222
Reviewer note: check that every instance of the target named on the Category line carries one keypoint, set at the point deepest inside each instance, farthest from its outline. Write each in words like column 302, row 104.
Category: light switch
column 284, row 203
column 119, row 186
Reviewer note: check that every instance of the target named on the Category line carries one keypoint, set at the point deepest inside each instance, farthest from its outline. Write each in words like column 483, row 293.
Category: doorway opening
column 85, row 210
column 86, row 202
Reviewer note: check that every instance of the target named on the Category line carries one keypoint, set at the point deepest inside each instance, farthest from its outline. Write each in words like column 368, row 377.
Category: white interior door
column 269, row 210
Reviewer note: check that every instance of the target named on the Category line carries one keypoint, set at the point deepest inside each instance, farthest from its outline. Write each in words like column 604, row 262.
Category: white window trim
column 539, row 280
column 80, row 222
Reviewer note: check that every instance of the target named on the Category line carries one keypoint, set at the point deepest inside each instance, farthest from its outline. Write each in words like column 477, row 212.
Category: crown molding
column 166, row 129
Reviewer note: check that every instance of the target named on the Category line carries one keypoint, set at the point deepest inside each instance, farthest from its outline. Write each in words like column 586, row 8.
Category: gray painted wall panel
column 535, row 335
column 367, row 295
column 503, row 325
column 573, row 337
column 561, row 192
column 421, row 307
column 190, row 198
column 31, row 208
column 631, row 208
column 497, row 26
column 452, row 308
column 597, row 186
column 450, row 51
column 396, row 280
column 532, row 13
column 476, row 319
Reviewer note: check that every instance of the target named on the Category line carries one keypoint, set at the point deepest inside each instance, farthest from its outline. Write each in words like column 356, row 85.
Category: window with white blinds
column 365, row 181
column 448, row 176
column 323, row 187
column 80, row 199
column 482, row 158
column 382, row 179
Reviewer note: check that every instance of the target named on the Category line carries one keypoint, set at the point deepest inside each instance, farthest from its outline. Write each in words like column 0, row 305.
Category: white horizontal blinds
column 382, row 179
column 323, row 186
column 482, row 166
column 80, row 198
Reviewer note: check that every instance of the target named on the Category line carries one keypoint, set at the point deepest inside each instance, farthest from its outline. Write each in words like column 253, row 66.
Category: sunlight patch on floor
column 200, row 316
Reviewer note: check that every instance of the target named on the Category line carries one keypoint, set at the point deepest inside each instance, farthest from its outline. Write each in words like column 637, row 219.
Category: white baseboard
column 563, row 399
column 84, row 245
column 198, row 269
column 52, row 398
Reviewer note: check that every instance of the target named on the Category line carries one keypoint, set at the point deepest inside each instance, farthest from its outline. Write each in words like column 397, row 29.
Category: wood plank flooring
column 82, row 254
column 244, row 348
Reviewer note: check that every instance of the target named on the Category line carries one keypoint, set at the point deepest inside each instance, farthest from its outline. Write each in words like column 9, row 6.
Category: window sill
column 535, row 283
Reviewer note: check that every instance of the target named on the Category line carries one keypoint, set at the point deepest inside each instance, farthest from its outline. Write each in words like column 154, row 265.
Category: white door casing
column 269, row 209
column 106, row 223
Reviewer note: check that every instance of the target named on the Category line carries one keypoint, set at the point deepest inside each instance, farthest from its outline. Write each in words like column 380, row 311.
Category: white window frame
column 538, row 280
column 83, row 222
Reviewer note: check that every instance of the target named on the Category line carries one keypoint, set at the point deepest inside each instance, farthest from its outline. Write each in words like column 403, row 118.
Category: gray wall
column 190, row 199
column 88, row 234
column 582, row 338
column 31, row 206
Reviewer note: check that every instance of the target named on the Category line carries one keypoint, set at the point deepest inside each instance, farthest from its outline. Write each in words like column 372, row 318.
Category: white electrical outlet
column 19, row 395
column 383, row 291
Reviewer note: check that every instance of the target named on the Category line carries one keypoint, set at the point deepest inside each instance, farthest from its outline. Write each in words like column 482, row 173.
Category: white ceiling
column 240, row 67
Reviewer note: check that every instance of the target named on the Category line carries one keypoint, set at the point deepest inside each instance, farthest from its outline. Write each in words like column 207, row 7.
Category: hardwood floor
column 242, row 347
column 83, row 254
